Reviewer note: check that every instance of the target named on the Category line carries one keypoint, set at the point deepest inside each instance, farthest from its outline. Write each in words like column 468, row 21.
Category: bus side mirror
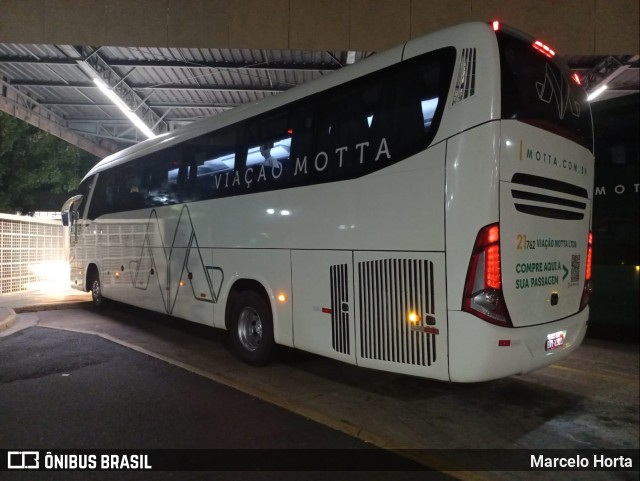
column 69, row 217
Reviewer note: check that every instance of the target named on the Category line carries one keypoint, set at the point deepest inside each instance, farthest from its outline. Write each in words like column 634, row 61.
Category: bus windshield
column 536, row 90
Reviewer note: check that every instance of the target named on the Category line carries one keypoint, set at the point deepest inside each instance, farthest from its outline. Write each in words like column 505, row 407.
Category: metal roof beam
column 209, row 88
column 52, row 84
column 305, row 67
column 313, row 67
column 39, row 61
column 21, row 106
column 220, row 88
column 62, row 103
column 98, row 70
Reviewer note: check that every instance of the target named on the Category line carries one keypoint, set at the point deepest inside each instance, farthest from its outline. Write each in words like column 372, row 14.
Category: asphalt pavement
column 134, row 379
column 67, row 390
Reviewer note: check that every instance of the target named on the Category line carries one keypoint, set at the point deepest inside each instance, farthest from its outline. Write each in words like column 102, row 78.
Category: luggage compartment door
column 323, row 303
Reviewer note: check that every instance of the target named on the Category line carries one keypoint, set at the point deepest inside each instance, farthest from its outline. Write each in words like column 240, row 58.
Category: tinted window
column 347, row 131
column 537, row 90
column 103, row 199
column 83, row 190
column 341, row 133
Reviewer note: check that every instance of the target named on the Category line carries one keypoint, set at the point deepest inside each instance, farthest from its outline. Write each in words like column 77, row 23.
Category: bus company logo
column 556, row 87
column 23, row 460
column 307, row 165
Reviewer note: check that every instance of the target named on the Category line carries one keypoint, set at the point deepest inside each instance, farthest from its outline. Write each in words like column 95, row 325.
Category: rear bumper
column 476, row 353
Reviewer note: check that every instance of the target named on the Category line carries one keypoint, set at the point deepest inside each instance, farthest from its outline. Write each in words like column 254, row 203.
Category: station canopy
column 74, row 91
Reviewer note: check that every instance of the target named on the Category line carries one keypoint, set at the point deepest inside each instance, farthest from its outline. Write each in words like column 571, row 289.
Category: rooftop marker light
column 541, row 47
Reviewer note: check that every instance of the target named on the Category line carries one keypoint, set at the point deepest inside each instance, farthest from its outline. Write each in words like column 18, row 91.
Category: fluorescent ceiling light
column 118, row 102
column 596, row 93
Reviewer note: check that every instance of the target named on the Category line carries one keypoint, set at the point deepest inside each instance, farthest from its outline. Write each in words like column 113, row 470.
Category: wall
column 31, row 251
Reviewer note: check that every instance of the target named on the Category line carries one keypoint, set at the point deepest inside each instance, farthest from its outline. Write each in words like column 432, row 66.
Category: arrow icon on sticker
column 566, row 272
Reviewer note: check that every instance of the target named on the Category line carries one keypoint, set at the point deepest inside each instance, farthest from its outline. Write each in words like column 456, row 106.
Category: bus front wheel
column 96, row 291
column 252, row 329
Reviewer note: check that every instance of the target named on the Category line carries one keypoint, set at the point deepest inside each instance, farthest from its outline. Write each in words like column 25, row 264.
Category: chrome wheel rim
column 250, row 329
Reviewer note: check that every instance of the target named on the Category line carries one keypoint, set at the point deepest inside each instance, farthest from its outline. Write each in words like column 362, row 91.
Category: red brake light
column 492, row 277
column 576, row 79
column 588, row 286
column 541, row 47
column 495, row 25
column 483, row 295
column 589, row 257
column 493, row 234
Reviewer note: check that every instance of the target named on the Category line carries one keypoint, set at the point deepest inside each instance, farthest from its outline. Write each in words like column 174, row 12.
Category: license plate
column 555, row 341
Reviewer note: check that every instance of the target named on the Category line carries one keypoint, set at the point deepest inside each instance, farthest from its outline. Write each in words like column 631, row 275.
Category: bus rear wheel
column 252, row 329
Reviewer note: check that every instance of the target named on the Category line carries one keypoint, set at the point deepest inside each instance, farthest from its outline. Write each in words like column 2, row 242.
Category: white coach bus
column 426, row 211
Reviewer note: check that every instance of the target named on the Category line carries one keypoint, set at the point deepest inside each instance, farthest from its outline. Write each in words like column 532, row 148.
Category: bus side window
column 301, row 128
column 104, row 195
column 155, row 179
column 398, row 119
column 84, row 191
column 204, row 160
column 268, row 151
column 343, row 122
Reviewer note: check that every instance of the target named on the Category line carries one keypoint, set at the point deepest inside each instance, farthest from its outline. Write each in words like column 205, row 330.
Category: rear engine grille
column 545, row 197
column 389, row 290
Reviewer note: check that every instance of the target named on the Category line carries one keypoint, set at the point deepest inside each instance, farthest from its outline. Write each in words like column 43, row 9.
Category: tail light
column 545, row 49
column 588, row 286
column 483, row 295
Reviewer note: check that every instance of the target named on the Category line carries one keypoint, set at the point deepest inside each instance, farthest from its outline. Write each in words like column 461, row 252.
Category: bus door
column 70, row 217
column 323, row 303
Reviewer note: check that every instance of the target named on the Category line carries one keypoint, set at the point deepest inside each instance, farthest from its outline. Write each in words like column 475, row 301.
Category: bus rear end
column 528, row 281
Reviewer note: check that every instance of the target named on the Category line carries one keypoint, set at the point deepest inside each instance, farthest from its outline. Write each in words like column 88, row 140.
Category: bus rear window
column 535, row 90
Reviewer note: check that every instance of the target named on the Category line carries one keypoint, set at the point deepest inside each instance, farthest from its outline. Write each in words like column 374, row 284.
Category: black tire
column 251, row 329
column 95, row 287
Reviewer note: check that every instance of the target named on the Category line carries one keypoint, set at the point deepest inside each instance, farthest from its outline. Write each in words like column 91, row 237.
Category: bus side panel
column 191, row 294
column 401, row 312
column 269, row 267
column 399, row 207
column 472, row 193
column 323, row 303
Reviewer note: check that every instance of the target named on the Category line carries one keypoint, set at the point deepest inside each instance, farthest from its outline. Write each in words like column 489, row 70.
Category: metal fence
column 32, row 251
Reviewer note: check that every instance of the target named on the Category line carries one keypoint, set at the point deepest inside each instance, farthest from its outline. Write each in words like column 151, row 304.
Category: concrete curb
column 7, row 318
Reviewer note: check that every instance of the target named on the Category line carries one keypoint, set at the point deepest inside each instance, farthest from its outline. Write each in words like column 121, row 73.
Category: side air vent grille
column 339, row 308
column 389, row 290
column 549, row 198
column 466, row 78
